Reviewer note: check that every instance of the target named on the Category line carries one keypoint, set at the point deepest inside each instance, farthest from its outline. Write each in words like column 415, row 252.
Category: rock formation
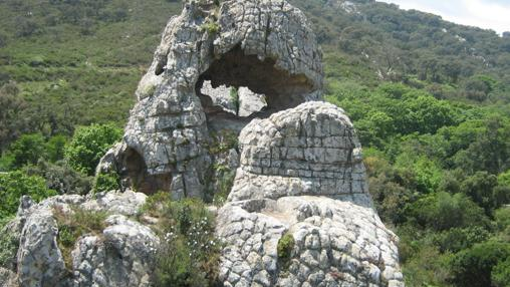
column 299, row 213
column 302, row 175
column 266, row 46
column 122, row 254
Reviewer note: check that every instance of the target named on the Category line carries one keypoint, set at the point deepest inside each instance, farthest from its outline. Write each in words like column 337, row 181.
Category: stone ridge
column 339, row 238
column 312, row 149
column 167, row 127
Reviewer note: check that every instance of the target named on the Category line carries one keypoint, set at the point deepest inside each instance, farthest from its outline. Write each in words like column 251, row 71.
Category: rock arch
column 265, row 45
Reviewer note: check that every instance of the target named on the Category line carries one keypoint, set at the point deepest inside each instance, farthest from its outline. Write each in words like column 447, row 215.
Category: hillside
column 92, row 53
column 430, row 100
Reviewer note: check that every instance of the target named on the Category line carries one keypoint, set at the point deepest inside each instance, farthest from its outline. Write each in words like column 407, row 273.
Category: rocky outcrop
column 302, row 174
column 120, row 255
column 266, row 46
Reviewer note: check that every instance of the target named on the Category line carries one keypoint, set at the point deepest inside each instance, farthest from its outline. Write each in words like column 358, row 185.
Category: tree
column 12, row 120
column 55, row 148
column 89, row 145
column 13, row 185
column 442, row 211
column 473, row 267
column 28, row 149
column 61, row 177
column 489, row 151
column 480, row 187
column 501, row 274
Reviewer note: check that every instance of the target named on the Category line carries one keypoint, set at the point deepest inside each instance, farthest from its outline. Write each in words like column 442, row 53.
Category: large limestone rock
column 120, row 255
column 302, row 174
column 264, row 45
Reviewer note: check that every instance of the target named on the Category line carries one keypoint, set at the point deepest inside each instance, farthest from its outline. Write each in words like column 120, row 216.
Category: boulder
column 123, row 254
column 302, row 177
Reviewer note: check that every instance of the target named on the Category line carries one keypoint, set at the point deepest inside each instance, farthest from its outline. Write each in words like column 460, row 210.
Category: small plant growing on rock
column 211, row 27
column 224, row 180
column 284, row 249
column 223, row 141
column 75, row 224
column 106, row 182
column 189, row 253
column 234, row 97
column 8, row 248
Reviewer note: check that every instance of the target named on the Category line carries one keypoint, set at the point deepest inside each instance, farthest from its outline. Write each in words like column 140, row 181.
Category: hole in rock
column 140, row 179
column 237, row 88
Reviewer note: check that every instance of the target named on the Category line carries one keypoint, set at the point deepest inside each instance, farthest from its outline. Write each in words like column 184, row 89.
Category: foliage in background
column 61, row 177
column 89, row 145
column 13, row 185
column 105, row 182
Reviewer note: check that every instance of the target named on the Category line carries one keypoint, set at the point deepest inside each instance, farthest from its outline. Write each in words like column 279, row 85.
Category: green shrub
column 234, row 97
column 55, row 148
column 473, row 267
column 223, row 141
column 501, row 274
column 211, row 27
column 14, row 185
column 89, row 145
column 284, row 249
column 8, row 247
column 502, row 217
column 28, row 149
column 457, row 239
column 189, row 252
column 442, row 211
column 61, row 177
column 223, row 183
column 107, row 182
column 73, row 225
column 428, row 267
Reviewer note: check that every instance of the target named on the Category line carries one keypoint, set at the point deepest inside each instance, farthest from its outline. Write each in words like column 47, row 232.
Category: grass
column 74, row 225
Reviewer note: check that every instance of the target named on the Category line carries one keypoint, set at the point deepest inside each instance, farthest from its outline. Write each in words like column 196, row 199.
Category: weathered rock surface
column 264, row 45
column 120, row 255
column 301, row 173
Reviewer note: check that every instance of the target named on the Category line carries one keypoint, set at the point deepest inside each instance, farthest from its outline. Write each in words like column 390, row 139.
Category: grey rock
column 263, row 45
column 40, row 261
column 302, row 173
column 122, row 254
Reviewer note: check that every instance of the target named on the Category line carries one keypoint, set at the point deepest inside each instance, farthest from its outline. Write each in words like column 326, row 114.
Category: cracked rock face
column 302, row 174
column 120, row 255
column 266, row 46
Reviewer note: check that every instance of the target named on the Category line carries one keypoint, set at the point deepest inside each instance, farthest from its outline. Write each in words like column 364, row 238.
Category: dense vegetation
column 430, row 100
